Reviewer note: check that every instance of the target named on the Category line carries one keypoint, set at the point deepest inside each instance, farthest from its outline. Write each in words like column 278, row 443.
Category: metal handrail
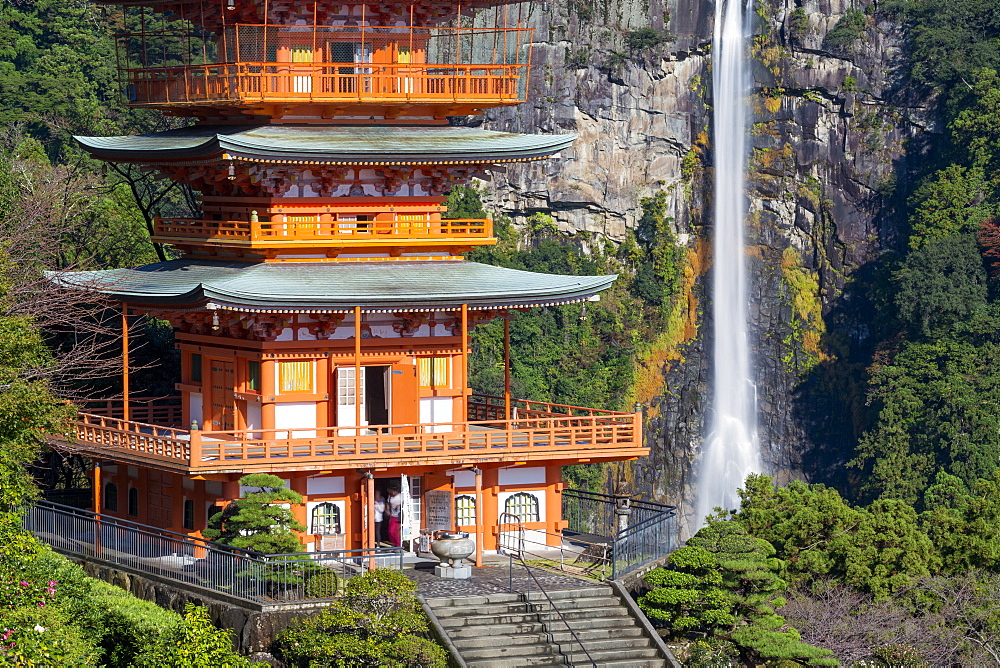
column 646, row 538
column 231, row 572
column 527, row 595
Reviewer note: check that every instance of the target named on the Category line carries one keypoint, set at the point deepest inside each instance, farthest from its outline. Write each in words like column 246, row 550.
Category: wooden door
column 405, row 397
column 223, row 402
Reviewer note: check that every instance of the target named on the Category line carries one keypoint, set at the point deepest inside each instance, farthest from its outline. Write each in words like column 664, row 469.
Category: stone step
column 505, row 597
column 579, row 658
column 570, row 645
column 521, row 606
column 494, row 632
column 506, row 650
column 473, row 640
column 518, row 662
column 633, row 663
column 513, row 617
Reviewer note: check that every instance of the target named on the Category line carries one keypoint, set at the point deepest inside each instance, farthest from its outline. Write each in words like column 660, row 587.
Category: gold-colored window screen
column 434, row 371
column 412, row 222
column 296, row 377
column 302, row 54
column 404, row 56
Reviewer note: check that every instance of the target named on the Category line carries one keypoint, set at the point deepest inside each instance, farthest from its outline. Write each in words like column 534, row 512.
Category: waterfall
column 731, row 450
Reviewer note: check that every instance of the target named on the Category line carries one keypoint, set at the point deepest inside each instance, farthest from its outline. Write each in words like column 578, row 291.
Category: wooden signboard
column 328, row 543
column 438, row 509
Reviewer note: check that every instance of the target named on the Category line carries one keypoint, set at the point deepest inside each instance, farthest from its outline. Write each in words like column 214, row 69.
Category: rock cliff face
column 831, row 132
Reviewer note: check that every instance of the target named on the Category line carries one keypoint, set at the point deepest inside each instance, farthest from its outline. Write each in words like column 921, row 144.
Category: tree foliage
column 940, row 284
column 725, row 583
column 260, row 519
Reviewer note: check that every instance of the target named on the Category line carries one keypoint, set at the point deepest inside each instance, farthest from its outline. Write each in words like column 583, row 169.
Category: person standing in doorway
column 379, row 517
column 395, row 509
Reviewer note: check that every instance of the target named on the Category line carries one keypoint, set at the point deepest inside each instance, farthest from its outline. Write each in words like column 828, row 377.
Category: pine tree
column 725, row 583
column 259, row 520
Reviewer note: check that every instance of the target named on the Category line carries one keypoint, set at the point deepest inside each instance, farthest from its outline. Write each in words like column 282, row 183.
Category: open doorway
column 398, row 502
column 377, row 379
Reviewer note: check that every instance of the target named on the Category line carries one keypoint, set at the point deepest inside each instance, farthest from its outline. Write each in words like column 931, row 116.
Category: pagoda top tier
column 230, row 12
column 324, row 62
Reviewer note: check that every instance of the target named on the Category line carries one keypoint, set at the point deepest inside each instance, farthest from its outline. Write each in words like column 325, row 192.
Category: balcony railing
column 327, row 83
column 364, row 64
column 164, row 411
column 537, row 431
column 356, row 233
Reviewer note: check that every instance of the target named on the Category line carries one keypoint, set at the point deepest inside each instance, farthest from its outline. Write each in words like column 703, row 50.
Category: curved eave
column 328, row 144
column 337, row 286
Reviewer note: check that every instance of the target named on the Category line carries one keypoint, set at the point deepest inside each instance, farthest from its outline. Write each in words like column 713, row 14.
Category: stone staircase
column 506, row 631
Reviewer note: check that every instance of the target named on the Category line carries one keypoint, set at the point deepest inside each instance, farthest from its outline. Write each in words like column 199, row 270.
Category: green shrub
column 43, row 636
column 644, row 39
column 376, row 624
column 194, row 643
column 798, row 24
column 848, row 30
column 324, row 584
column 129, row 624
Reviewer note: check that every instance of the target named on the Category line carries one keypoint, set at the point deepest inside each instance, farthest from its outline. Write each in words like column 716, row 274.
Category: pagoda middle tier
column 283, row 192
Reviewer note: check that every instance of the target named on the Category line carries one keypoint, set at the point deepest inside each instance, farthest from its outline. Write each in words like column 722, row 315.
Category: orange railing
column 523, row 438
column 340, row 231
column 147, row 441
column 152, row 410
column 257, row 82
column 488, row 407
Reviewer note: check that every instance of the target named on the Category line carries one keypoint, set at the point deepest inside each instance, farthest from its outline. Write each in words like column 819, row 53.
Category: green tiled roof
column 336, row 285
column 366, row 145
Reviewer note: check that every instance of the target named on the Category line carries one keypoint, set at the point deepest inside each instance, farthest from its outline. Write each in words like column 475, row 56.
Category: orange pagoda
column 321, row 303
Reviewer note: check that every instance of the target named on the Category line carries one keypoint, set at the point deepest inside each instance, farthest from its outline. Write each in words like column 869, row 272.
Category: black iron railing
column 242, row 574
column 639, row 532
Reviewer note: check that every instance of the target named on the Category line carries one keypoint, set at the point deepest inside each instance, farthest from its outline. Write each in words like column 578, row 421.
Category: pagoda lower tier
column 316, row 371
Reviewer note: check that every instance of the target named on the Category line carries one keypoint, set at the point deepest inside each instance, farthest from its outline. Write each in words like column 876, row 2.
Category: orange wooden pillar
column 506, row 366
column 357, row 371
column 125, row 364
column 268, row 392
column 464, row 407
column 97, row 507
column 479, row 516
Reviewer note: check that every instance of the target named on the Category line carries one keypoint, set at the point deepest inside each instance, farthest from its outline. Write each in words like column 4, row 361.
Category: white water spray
column 731, row 449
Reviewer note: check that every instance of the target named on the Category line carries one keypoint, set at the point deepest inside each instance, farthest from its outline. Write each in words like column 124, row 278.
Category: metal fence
column 238, row 573
column 639, row 531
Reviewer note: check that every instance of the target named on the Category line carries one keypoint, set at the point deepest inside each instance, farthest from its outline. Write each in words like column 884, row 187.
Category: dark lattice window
column 133, row 501
column 188, row 514
column 111, row 496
